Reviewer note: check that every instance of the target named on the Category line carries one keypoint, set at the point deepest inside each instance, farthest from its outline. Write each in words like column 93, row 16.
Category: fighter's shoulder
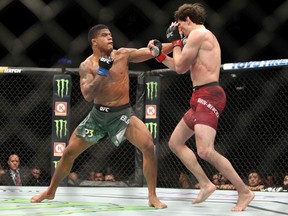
column 198, row 35
column 90, row 60
column 124, row 50
column 87, row 64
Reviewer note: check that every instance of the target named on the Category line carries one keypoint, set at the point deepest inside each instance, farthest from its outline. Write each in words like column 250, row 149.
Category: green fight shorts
column 103, row 121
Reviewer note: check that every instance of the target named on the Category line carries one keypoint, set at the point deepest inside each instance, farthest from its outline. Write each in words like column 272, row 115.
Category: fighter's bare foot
column 44, row 195
column 156, row 203
column 204, row 193
column 243, row 201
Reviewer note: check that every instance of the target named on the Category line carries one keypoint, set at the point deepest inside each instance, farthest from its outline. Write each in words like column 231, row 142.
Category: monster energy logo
column 152, row 127
column 62, row 87
column 55, row 164
column 61, row 128
column 152, row 90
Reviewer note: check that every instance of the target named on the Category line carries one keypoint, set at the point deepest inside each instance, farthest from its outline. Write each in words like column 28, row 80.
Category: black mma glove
column 105, row 63
column 158, row 50
column 173, row 35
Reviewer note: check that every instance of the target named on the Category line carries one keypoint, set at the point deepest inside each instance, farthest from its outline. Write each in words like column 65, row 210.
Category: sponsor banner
column 152, row 106
column 153, row 128
column 60, row 117
column 62, row 87
column 9, row 70
column 150, row 112
column 60, row 129
column 152, row 89
column 59, row 148
column 60, row 108
column 54, row 164
column 255, row 64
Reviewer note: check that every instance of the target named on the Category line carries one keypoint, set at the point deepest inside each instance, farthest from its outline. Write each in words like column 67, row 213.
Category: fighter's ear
column 93, row 42
column 188, row 19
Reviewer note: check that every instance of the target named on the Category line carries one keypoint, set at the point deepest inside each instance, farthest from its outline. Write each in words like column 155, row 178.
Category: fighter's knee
column 68, row 154
column 203, row 153
column 172, row 146
column 147, row 147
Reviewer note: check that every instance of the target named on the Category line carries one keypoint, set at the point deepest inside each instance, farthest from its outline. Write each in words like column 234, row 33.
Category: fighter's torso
column 206, row 66
column 114, row 89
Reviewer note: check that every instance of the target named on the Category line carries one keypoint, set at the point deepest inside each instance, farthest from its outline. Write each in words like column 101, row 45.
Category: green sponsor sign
column 61, row 128
column 62, row 87
column 152, row 101
column 152, row 127
column 152, row 90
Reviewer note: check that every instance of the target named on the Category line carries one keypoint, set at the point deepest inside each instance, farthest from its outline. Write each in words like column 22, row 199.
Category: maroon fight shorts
column 207, row 103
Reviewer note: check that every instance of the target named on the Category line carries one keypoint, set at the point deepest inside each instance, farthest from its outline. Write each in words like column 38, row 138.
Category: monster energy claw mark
column 61, row 128
column 62, row 87
column 152, row 127
column 152, row 90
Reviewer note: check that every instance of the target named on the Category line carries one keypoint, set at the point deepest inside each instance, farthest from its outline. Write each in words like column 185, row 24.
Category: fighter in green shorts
column 105, row 121
column 104, row 81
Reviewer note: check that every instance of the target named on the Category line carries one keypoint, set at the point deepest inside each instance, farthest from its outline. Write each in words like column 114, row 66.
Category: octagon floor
column 113, row 201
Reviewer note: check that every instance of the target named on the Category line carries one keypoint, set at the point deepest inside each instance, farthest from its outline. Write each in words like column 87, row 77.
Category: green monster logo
column 62, row 87
column 152, row 90
column 61, row 128
column 55, row 164
column 152, row 127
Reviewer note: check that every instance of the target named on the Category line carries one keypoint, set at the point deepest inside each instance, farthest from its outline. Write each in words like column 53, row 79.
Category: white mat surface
column 76, row 201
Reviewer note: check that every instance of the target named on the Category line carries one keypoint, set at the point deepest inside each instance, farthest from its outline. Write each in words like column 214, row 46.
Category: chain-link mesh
column 252, row 129
column 26, row 116
column 48, row 31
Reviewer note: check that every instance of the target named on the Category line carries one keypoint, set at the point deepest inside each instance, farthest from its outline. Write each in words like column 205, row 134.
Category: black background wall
column 48, row 33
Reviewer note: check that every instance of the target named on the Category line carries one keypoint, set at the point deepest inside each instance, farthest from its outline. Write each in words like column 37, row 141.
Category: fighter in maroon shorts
column 201, row 55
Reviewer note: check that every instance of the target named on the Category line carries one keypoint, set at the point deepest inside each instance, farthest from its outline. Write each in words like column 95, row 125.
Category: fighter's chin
column 110, row 49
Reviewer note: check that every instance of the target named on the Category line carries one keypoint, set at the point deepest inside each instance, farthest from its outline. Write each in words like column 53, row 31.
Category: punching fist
column 157, row 49
column 173, row 35
column 105, row 63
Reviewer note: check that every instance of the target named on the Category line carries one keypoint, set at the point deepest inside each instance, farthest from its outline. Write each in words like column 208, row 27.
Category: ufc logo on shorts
column 104, row 109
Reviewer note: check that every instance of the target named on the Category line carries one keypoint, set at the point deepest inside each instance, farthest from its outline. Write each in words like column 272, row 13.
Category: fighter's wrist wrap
column 177, row 43
column 161, row 57
column 103, row 71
